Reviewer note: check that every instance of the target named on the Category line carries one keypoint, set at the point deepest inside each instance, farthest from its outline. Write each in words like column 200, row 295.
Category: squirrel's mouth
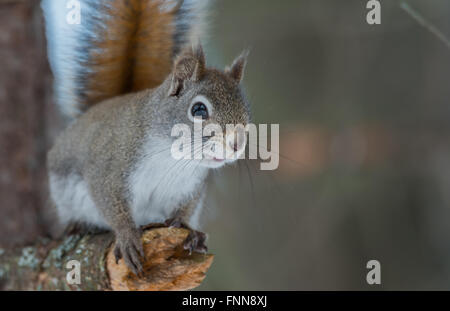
column 213, row 162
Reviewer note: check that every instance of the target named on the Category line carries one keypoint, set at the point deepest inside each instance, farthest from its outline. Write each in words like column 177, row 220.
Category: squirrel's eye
column 199, row 110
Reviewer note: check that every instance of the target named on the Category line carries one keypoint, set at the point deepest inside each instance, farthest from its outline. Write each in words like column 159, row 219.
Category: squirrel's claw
column 133, row 261
column 196, row 242
column 175, row 223
column 117, row 254
column 132, row 252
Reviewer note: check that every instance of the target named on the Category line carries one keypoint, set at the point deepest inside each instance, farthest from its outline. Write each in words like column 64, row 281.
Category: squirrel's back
column 100, row 49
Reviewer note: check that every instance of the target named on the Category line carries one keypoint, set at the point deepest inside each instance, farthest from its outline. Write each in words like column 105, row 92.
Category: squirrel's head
column 213, row 101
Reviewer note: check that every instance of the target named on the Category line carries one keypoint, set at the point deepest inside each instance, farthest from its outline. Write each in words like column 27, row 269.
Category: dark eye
column 199, row 110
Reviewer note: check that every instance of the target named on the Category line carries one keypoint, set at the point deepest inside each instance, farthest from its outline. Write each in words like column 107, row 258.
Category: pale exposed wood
column 168, row 266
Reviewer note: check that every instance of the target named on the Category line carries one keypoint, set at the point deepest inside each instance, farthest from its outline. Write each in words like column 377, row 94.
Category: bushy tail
column 99, row 49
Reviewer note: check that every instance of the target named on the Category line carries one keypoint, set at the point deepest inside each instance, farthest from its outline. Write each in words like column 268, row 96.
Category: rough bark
column 25, row 105
column 43, row 266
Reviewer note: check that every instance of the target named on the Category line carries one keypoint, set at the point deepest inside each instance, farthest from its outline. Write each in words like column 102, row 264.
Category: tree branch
column 167, row 265
column 424, row 23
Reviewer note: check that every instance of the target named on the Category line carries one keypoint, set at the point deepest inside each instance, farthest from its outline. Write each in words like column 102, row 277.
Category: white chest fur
column 159, row 184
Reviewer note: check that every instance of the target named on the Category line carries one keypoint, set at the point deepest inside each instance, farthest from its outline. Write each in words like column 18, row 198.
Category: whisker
column 303, row 165
column 175, row 165
column 251, row 184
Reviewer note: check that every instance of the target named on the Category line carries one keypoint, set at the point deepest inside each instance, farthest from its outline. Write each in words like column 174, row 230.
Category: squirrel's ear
column 236, row 71
column 200, row 65
column 189, row 65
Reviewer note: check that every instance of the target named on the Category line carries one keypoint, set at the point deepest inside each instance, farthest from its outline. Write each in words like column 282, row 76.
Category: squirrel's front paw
column 196, row 242
column 129, row 247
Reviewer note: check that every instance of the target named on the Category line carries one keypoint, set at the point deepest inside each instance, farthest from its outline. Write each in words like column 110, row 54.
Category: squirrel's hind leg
column 75, row 228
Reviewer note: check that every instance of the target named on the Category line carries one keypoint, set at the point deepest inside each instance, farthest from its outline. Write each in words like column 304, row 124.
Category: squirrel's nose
column 237, row 141
column 234, row 145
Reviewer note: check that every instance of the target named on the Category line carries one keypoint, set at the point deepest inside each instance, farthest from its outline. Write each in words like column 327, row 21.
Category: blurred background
column 364, row 141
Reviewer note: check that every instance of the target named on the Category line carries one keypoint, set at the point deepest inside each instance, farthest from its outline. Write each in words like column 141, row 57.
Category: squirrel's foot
column 176, row 223
column 196, row 240
column 129, row 247
column 74, row 228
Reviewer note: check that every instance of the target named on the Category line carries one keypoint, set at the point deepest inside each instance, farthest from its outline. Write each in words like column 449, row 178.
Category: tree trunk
column 25, row 83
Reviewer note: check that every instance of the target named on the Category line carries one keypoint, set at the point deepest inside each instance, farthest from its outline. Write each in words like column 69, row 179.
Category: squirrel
column 124, row 76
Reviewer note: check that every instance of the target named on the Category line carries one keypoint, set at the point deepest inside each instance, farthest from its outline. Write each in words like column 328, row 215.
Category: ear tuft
column 189, row 65
column 236, row 71
column 200, row 66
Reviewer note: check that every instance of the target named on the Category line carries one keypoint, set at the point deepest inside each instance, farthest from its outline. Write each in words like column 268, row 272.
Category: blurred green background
column 364, row 117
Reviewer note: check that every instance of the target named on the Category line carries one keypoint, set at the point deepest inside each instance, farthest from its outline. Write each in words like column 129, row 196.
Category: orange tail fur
column 119, row 46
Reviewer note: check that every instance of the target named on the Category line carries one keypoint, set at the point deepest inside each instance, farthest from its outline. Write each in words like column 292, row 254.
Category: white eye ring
column 202, row 100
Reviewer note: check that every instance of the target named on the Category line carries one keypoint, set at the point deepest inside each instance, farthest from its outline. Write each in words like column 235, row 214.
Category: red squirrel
column 124, row 76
